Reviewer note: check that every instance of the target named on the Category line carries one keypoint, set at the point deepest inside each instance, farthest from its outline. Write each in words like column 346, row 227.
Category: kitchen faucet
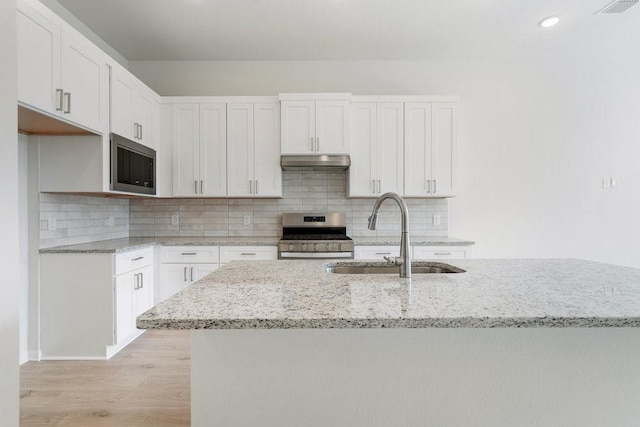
column 404, row 260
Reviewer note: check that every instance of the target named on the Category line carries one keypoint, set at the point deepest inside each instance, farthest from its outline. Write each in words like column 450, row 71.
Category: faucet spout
column 404, row 260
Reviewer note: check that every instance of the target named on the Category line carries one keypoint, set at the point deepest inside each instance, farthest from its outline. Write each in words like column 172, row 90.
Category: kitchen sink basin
column 420, row 267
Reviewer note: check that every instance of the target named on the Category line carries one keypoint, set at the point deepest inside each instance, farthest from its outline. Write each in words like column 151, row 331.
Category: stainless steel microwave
column 133, row 166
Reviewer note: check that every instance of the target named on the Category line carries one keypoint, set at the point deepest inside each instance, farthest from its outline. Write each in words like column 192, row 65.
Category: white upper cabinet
column 60, row 74
column 315, row 126
column 199, row 150
column 38, row 53
column 253, row 150
column 131, row 108
column 377, row 149
column 430, row 149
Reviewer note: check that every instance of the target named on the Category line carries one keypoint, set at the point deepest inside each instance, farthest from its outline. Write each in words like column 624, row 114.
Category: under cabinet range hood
column 315, row 162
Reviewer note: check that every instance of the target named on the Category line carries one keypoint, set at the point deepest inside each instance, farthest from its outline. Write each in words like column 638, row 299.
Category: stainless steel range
column 317, row 236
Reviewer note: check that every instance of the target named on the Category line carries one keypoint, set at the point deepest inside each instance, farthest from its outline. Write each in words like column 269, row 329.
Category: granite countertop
column 415, row 241
column 491, row 293
column 124, row 245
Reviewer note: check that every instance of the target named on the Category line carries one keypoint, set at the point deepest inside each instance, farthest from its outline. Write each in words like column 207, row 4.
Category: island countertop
column 491, row 293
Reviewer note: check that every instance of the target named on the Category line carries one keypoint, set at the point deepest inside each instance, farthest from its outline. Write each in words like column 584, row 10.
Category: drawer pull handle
column 189, row 253
column 247, row 253
column 383, row 253
column 443, row 253
column 137, row 259
column 185, row 274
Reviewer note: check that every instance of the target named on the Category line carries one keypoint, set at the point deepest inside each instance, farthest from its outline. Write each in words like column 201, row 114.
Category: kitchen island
column 508, row 342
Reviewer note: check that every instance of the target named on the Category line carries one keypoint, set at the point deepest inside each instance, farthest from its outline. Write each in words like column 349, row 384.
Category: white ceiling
column 354, row 29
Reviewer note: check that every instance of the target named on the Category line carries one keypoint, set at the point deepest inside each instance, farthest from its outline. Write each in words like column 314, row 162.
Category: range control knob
column 328, row 247
column 291, row 247
column 304, row 247
column 339, row 247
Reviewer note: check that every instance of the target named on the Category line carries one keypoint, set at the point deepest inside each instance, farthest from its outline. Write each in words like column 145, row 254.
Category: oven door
column 315, row 255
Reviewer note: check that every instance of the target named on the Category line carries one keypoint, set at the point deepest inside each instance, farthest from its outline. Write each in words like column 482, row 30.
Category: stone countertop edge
column 148, row 322
column 126, row 245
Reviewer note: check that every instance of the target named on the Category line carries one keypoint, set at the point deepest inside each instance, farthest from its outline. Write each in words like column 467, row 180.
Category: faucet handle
column 393, row 260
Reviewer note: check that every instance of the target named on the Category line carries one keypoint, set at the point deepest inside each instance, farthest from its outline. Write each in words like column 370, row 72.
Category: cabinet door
column 198, row 271
column 375, row 252
column 124, row 306
column 122, row 106
column 248, row 253
column 418, row 150
column 332, row 127
column 142, row 116
column 266, row 143
column 186, row 149
column 361, row 174
column 240, row 161
column 443, row 148
column 440, row 252
column 143, row 291
column 173, row 278
column 85, row 83
column 38, row 60
column 298, row 123
column 213, row 149
column 389, row 148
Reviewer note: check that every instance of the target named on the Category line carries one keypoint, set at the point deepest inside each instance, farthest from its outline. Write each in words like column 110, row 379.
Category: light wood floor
column 146, row 384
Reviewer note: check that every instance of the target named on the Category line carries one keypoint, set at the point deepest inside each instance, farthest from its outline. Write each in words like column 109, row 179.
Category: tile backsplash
column 83, row 219
column 306, row 191
column 71, row 219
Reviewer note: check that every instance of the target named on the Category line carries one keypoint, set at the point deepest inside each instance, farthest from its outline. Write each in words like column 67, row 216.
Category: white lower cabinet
column 182, row 265
column 418, row 252
column 375, row 252
column 133, row 296
column 441, row 252
column 89, row 302
column 248, row 253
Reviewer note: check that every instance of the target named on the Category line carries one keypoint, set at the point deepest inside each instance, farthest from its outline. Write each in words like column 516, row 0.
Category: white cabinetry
column 248, row 253
column 132, row 107
column 314, row 124
column 377, row 149
column 430, row 138
column 182, row 265
column 89, row 302
column 60, row 75
column 441, row 252
column 253, row 150
column 199, row 150
column 133, row 294
column 376, row 252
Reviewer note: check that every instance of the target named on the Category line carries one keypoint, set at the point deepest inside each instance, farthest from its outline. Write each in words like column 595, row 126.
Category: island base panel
column 383, row 377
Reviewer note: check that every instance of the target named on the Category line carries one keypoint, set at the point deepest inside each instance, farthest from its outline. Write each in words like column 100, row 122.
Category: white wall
column 535, row 140
column 23, row 247
column 9, row 289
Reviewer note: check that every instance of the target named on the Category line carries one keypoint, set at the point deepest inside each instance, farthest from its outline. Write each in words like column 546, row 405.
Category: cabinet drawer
column 442, row 252
column 376, row 252
column 245, row 253
column 189, row 254
column 132, row 260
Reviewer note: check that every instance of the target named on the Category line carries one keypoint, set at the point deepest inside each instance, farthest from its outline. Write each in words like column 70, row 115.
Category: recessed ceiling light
column 549, row 21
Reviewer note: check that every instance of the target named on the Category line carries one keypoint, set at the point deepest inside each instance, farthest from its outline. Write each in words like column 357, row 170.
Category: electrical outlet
column 51, row 223
column 110, row 222
column 247, row 220
column 614, row 182
column 436, row 219
column 606, row 183
column 175, row 219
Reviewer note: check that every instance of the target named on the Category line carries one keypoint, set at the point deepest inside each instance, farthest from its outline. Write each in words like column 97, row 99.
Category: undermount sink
column 419, row 267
